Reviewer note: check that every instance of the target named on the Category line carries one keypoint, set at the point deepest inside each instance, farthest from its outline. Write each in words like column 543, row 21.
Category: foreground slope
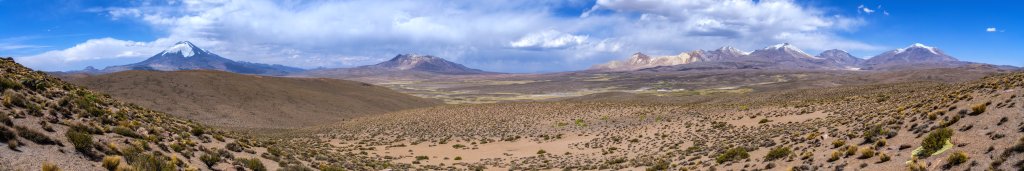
column 247, row 101
column 930, row 125
column 49, row 123
column 46, row 123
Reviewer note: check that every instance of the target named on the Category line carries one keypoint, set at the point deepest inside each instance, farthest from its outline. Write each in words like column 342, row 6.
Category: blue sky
column 498, row 35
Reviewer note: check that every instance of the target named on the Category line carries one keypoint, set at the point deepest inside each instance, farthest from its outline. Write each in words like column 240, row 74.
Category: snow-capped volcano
column 186, row 49
column 187, row 56
column 914, row 54
column 783, row 51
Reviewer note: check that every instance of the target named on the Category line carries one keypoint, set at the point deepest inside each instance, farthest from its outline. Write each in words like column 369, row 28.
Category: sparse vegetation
column 956, row 158
column 935, row 141
column 733, row 154
column 252, row 164
column 777, row 153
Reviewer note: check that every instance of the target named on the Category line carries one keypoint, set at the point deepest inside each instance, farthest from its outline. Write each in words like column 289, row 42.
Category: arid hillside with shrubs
column 240, row 101
column 48, row 124
column 915, row 125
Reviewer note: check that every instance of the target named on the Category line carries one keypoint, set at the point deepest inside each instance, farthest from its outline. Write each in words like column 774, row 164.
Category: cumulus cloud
column 91, row 50
column 990, row 29
column 488, row 35
column 548, row 39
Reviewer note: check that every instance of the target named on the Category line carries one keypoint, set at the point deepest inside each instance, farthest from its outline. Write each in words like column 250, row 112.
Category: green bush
column 9, row 84
column 541, row 152
column 733, row 154
column 34, row 136
column 935, row 140
column 956, row 159
column 125, row 131
column 252, row 163
column 872, row 134
column 145, row 161
column 82, row 141
column 777, row 153
column 209, row 159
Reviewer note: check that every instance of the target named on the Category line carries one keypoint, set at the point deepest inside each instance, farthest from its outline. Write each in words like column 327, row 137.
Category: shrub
column 956, row 159
column 851, row 150
column 82, row 141
column 915, row 165
column 838, row 143
column 422, row 157
column 866, row 152
column 763, row 121
column 209, row 159
column 732, row 155
column 458, row 157
column 935, row 140
column 234, row 147
column 873, row 133
column 145, row 161
column 125, row 131
column 47, row 166
column 6, row 120
column 978, row 109
column 835, row 156
column 111, row 162
column 777, row 153
column 541, row 152
column 882, row 158
column 252, row 163
column 458, row 146
column 7, row 134
column 12, row 144
column 9, row 84
column 34, row 136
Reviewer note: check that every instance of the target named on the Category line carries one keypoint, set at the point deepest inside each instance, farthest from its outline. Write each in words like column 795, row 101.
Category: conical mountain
column 187, row 56
column 914, row 54
column 424, row 63
column 841, row 57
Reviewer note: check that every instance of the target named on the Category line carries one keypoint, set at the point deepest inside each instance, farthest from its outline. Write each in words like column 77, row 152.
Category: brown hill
column 246, row 101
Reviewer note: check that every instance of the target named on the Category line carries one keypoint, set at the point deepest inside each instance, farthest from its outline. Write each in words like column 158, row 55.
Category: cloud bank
column 506, row 36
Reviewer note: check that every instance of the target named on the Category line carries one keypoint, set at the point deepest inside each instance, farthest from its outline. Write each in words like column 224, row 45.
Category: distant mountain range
column 786, row 56
column 187, row 56
column 401, row 66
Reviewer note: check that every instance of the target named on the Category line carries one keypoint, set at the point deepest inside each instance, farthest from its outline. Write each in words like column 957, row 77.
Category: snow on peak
column 918, row 45
column 185, row 48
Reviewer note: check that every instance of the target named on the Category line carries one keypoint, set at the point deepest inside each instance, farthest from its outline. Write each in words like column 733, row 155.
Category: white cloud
column 866, row 9
column 548, row 39
column 347, row 33
column 990, row 29
column 91, row 50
